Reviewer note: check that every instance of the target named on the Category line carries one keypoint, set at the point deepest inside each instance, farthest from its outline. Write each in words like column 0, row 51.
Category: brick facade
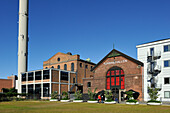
column 82, row 67
column 6, row 83
column 132, row 73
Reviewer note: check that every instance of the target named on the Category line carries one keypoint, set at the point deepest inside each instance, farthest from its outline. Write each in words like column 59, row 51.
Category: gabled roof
column 115, row 53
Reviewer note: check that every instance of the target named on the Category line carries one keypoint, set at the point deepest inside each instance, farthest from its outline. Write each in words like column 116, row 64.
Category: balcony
column 154, row 56
column 154, row 70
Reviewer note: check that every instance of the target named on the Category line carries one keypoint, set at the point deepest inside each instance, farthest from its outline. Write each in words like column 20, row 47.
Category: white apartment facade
column 156, row 58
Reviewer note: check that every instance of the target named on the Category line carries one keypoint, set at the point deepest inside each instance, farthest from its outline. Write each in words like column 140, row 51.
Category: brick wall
column 6, row 83
column 132, row 73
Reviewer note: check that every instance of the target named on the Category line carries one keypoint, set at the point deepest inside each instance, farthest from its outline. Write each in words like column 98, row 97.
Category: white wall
column 142, row 51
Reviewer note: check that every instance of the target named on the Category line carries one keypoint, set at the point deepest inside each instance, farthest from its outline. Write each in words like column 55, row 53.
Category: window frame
column 165, row 92
column 88, row 84
column 168, row 48
column 168, row 65
column 166, row 78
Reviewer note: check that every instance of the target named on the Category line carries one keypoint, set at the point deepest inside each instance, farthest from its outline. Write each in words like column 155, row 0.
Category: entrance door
column 115, row 92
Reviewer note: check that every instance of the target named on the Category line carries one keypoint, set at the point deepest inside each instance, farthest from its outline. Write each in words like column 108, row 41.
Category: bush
column 153, row 93
column 109, row 100
column 132, row 100
column 155, row 101
column 65, row 94
column 129, row 94
column 54, row 95
column 92, row 100
column 78, row 95
column 92, row 94
column 108, row 95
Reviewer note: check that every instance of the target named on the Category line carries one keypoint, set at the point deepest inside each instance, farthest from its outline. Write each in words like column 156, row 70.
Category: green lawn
column 58, row 107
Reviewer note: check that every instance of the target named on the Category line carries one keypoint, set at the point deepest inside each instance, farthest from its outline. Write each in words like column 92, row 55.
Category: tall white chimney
column 22, row 40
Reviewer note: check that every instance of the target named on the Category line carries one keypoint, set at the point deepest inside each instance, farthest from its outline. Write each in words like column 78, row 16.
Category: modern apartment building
column 156, row 58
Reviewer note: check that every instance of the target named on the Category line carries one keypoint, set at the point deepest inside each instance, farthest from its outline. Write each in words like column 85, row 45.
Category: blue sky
column 85, row 27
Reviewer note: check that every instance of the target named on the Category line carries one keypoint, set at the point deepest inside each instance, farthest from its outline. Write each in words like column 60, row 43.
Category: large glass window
column 38, row 75
column 30, row 89
column 166, row 48
column 72, row 66
column 46, row 90
column 167, row 80
column 115, row 78
column 167, row 63
column 23, row 88
column 167, row 94
column 46, row 74
column 65, row 66
column 30, row 76
column 23, row 77
column 38, row 90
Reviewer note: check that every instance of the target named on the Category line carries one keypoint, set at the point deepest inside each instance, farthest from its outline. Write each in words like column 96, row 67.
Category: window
column 58, row 59
column 46, row 67
column 46, row 74
column 166, row 48
column 86, row 66
column 88, row 84
column 151, row 51
column 65, row 66
column 167, row 63
column 91, row 67
column 38, row 75
column 74, row 80
column 58, row 67
column 30, row 76
column 24, row 77
column 72, row 66
column 167, row 94
column 52, row 67
column 166, row 80
column 80, row 64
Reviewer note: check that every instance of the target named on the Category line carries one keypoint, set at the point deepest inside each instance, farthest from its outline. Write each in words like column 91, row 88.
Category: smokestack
column 22, row 40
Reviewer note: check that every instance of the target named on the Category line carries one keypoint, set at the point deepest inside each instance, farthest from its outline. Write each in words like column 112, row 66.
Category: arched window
column 58, row 67
column 80, row 64
column 65, row 66
column 72, row 66
column 115, row 78
column 52, row 66
column 46, row 67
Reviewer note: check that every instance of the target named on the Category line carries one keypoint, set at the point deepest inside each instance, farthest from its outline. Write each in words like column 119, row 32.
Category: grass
column 51, row 107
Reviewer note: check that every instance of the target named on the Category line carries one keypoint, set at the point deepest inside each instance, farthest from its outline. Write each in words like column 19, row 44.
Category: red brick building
column 117, row 72
column 71, row 62
column 8, row 83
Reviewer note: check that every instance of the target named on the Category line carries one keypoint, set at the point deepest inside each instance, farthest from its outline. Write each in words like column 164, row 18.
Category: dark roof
column 86, row 61
column 154, row 41
column 120, row 54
